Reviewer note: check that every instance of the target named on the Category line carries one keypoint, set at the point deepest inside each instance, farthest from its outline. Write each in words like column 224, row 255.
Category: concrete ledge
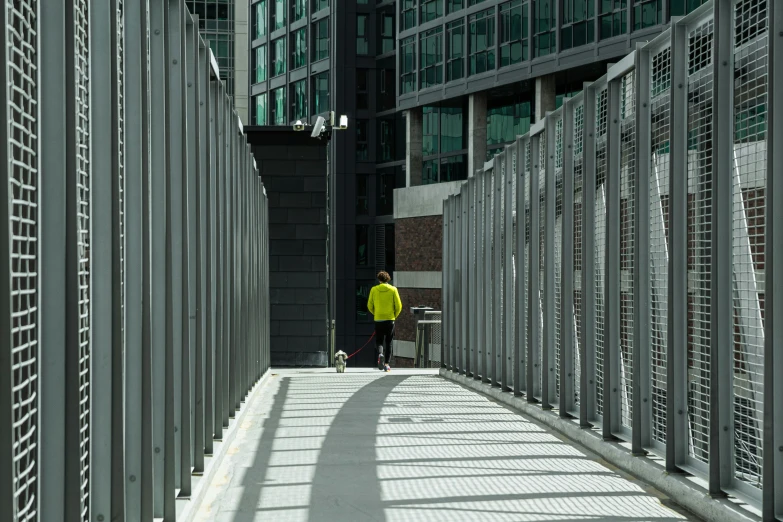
column 423, row 200
column 404, row 279
column 679, row 488
column 187, row 508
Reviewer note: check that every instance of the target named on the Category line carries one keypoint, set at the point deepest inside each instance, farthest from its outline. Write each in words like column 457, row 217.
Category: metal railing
column 428, row 341
column 616, row 263
column 134, row 305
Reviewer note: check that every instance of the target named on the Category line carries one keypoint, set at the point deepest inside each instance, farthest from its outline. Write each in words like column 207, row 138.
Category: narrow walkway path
column 320, row 446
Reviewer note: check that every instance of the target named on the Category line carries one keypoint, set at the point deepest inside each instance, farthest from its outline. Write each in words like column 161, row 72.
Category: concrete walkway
column 409, row 446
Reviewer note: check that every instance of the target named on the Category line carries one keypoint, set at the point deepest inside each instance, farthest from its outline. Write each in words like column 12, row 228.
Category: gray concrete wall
column 424, row 200
column 293, row 169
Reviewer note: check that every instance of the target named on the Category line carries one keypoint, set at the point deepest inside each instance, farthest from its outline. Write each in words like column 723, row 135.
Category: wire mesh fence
column 134, row 315
column 625, row 216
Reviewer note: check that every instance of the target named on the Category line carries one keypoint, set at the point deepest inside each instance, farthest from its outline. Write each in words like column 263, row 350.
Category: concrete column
column 477, row 131
column 241, row 61
column 413, row 154
column 545, row 95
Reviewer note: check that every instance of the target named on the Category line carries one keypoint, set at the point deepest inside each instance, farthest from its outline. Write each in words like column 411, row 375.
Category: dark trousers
column 384, row 333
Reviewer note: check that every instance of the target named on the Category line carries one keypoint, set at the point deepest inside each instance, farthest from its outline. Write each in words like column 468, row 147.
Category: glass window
column 683, row 7
column 647, row 13
column 362, row 42
column 452, row 6
column 385, row 201
column 408, row 14
column 260, row 64
column 453, row 169
column 260, row 112
column 362, row 244
column 259, row 19
column 278, row 107
column 362, row 148
column 578, row 23
column 320, row 4
column 430, row 131
column 278, row 57
column 408, row 62
column 429, row 172
column 614, row 20
column 321, row 40
column 482, row 42
column 568, row 93
column 299, row 49
column 505, row 123
column 387, row 33
column 430, row 10
column 278, row 15
column 362, row 294
column 386, row 140
column 298, row 9
column 361, row 89
column 299, row 100
column 513, row 32
column 362, row 2
column 474, row 2
column 455, row 65
column 431, row 58
column 451, row 127
column 321, row 93
column 362, row 198
column 544, row 27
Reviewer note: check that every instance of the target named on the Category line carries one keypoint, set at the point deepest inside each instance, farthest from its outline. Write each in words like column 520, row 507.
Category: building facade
column 432, row 88
column 224, row 24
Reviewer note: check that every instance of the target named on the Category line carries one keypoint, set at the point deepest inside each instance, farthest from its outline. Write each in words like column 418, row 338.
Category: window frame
column 315, row 91
column 408, row 76
column 506, row 25
column 296, row 52
column 451, row 28
column 262, row 70
column 489, row 51
column 550, row 32
column 434, row 36
column 430, row 10
column 362, row 34
column 615, row 13
column 279, row 110
column 318, row 53
column 295, row 97
column 278, row 58
column 571, row 19
column 277, row 24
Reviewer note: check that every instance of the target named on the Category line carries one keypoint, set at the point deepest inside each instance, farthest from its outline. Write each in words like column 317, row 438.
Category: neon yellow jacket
column 384, row 302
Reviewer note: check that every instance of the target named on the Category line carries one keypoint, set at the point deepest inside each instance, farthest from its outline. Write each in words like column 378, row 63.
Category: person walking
column 385, row 306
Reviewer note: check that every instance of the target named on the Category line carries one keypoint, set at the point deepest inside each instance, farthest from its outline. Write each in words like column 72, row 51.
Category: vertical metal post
column 444, row 359
column 677, row 342
column 470, row 353
column 547, row 163
column 464, row 287
column 587, row 373
column 567, row 333
column 488, row 288
column 520, row 347
column 772, row 496
column 534, row 355
column 612, row 354
column 722, row 317
column 53, row 276
column 101, row 256
column 216, row 222
column 642, row 386
column 454, row 225
column 479, row 369
column 188, row 254
column 225, row 267
column 510, row 164
column 497, row 264
column 201, row 218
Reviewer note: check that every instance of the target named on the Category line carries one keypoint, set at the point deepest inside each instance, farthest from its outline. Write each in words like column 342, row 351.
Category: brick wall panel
column 418, row 244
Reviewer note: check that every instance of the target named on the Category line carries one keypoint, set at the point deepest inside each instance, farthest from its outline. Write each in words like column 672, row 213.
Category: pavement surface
column 365, row 445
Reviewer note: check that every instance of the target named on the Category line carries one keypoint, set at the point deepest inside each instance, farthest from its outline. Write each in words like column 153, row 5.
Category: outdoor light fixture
column 322, row 129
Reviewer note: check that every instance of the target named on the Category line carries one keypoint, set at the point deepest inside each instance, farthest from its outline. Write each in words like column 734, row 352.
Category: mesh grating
column 599, row 237
column 121, row 156
column 579, row 125
column 750, row 109
column 527, row 241
column 542, row 188
column 23, row 185
column 627, row 223
column 699, row 236
column 659, row 219
column 82, row 75
column 558, row 247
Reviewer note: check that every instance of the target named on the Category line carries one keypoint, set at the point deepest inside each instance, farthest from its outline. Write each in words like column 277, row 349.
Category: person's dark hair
column 383, row 277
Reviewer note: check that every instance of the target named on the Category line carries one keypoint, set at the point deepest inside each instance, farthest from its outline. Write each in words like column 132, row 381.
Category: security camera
column 299, row 126
column 343, row 122
column 318, row 127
